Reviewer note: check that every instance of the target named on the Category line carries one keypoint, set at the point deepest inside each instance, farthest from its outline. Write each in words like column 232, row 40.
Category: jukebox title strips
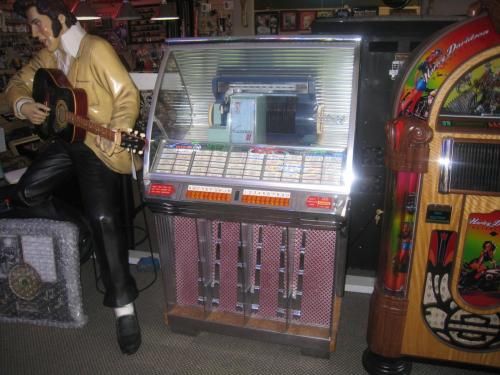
column 253, row 163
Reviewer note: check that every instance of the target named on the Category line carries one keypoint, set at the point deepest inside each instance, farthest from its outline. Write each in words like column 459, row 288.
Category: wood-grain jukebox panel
column 439, row 279
column 448, row 327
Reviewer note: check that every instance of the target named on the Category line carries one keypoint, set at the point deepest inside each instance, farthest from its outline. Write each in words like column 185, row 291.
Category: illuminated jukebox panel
column 248, row 171
column 437, row 294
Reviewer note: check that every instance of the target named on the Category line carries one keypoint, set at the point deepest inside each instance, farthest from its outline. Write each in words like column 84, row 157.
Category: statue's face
column 41, row 28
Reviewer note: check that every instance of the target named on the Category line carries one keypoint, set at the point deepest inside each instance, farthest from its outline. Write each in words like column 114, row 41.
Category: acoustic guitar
column 68, row 113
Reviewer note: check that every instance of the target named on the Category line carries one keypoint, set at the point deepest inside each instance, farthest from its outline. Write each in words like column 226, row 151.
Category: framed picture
column 288, row 21
column 324, row 13
column 306, row 19
column 27, row 146
column 369, row 11
column 266, row 23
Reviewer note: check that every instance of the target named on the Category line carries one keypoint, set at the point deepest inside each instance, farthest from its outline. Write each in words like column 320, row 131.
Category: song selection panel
column 295, row 167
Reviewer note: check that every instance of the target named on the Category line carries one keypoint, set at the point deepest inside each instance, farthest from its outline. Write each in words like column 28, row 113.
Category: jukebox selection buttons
column 209, row 193
column 264, row 197
column 293, row 166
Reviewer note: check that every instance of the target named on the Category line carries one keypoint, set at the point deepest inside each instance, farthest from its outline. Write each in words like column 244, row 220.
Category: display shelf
column 16, row 45
column 146, row 31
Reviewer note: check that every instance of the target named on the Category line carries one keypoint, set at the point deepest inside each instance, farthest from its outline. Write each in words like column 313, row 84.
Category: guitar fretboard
column 90, row 126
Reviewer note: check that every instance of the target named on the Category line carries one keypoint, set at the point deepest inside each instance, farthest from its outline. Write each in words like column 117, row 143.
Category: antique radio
column 248, row 171
column 437, row 294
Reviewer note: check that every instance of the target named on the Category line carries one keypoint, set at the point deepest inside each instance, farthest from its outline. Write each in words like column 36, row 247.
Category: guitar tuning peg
column 143, row 135
column 129, row 130
column 141, row 152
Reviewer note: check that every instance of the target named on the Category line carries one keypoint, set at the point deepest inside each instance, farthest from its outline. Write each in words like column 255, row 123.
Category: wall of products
column 16, row 45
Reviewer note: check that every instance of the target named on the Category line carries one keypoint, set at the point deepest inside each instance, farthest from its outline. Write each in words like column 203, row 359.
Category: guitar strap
column 134, row 171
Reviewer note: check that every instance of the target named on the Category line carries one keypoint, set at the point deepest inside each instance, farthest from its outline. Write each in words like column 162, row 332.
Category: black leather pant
column 101, row 199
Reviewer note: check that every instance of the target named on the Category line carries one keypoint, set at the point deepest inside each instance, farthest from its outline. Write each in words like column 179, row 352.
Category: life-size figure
column 90, row 63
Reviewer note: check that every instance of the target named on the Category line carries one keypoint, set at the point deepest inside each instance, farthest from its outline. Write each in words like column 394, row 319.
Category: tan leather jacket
column 113, row 99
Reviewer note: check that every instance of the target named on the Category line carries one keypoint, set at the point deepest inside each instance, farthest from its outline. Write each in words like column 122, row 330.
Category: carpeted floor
column 27, row 349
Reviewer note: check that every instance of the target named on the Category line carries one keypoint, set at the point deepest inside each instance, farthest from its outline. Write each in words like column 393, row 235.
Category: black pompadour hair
column 50, row 8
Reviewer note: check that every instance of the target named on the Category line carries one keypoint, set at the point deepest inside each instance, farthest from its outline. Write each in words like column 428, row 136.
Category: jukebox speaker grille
column 225, row 264
column 186, row 262
column 470, row 167
column 276, row 273
column 319, row 263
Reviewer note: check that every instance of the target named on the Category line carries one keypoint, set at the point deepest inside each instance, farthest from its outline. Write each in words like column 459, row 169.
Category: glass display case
column 248, row 168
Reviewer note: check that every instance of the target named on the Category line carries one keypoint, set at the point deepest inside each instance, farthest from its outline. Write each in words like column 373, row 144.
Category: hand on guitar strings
column 36, row 113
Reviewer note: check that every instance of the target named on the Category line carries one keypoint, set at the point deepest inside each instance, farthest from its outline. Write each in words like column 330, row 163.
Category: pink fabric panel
column 319, row 266
column 186, row 261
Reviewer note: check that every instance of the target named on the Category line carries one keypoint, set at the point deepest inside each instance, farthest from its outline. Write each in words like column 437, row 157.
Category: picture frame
column 306, row 19
column 289, row 21
column 267, row 23
column 368, row 11
column 26, row 146
column 325, row 13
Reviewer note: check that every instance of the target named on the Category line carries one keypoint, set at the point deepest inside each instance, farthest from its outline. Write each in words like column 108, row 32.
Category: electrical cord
column 360, row 233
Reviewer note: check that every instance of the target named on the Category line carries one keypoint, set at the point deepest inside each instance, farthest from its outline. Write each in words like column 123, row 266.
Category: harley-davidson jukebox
column 248, row 171
column 437, row 294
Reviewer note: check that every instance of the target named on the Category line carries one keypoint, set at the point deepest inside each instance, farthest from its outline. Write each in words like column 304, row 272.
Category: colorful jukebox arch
column 437, row 293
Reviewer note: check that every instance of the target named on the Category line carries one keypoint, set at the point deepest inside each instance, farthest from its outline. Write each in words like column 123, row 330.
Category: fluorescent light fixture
column 84, row 12
column 167, row 12
column 127, row 12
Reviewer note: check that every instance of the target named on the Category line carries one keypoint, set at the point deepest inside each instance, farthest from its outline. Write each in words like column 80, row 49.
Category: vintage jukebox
column 247, row 172
column 437, row 294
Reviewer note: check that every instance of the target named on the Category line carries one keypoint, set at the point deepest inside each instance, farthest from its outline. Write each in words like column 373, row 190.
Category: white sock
column 124, row 310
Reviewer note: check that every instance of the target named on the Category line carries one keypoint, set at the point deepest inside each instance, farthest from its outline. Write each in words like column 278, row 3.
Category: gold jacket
column 113, row 99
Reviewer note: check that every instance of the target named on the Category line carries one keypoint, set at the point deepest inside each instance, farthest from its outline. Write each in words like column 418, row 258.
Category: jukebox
column 247, row 173
column 437, row 293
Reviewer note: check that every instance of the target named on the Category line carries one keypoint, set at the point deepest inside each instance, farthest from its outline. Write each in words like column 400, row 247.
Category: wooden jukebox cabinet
column 437, row 294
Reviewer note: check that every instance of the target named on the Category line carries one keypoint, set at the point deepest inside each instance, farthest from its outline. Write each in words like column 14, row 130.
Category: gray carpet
column 27, row 349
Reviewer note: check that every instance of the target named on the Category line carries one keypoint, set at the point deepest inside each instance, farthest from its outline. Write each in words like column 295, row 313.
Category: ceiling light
column 84, row 12
column 167, row 12
column 127, row 12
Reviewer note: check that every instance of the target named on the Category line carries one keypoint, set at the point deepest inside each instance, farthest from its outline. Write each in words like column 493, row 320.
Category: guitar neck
column 90, row 126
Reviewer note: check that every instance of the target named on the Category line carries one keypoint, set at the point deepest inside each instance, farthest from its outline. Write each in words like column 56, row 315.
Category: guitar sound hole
column 61, row 112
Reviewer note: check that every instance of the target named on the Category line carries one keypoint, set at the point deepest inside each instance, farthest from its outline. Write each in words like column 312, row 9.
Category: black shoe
column 128, row 333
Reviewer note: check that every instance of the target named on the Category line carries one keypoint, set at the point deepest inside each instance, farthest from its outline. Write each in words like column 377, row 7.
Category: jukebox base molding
column 378, row 365
column 313, row 341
